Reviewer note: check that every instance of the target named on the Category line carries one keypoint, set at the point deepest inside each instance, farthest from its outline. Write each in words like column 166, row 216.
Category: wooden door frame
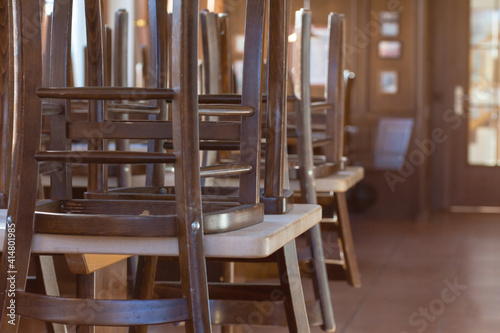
column 423, row 99
column 450, row 64
column 442, row 20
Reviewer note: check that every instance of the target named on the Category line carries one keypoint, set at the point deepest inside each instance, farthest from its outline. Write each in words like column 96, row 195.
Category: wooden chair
column 193, row 307
column 274, row 161
column 325, row 179
column 175, row 228
column 212, row 70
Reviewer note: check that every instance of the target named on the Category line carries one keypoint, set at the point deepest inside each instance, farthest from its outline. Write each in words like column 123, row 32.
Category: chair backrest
column 184, row 131
column 226, row 75
column 212, row 52
column 210, row 73
column 321, row 123
column 251, row 99
column 98, row 128
column 119, row 78
column 217, row 70
column 335, row 86
column 217, row 73
column 59, row 69
column 277, row 198
column 244, row 133
column 158, row 77
column 302, row 91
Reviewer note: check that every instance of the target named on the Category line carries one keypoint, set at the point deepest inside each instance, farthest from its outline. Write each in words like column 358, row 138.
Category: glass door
column 484, row 84
column 466, row 86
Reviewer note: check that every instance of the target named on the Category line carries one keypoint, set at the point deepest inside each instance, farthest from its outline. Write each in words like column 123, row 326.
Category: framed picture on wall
column 389, row 24
column 388, row 82
column 389, row 49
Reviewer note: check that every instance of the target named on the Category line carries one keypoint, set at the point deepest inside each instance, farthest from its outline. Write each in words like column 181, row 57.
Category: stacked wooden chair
column 324, row 177
column 158, row 221
column 277, row 202
column 320, row 310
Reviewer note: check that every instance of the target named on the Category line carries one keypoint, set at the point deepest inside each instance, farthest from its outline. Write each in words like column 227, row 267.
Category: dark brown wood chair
column 185, row 222
column 322, row 176
column 213, row 74
column 252, row 79
column 175, row 224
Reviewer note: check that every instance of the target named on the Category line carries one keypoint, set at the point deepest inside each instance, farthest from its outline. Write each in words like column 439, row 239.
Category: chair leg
column 13, row 277
column 46, row 273
column 291, row 284
column 85, row 288
column 347, row 246
column 320, row 279
column 144, row 285
column 132, row 265
column 228, row 277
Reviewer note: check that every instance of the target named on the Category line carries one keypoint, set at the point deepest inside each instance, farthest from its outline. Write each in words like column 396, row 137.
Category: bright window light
column 49, row 7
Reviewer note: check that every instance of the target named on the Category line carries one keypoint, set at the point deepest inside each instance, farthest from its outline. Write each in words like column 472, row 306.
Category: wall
column 404, row 193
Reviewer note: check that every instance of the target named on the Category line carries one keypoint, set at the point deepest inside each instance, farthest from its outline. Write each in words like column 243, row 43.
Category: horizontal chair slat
column 155, row 196
column 316, row 158
column 318, row 106
column 236, row 99
column 104, row 157
column 132, row 108
column 154, row 130
column 225, row 110
column 322, row 142
column 225, row 291
column 106, row 93
column 104, row 312
column 214, row 145
column 227, row 170
column 314, row 127
column 138, row 312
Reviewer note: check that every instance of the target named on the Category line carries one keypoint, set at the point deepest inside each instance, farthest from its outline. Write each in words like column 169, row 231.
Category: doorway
column 466, row 104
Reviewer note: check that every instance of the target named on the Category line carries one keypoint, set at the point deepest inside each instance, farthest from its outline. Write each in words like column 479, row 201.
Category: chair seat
column 256, row 241
column 339, row 182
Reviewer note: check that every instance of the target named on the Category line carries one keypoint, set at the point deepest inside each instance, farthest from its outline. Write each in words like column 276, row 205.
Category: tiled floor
column 441, row 276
